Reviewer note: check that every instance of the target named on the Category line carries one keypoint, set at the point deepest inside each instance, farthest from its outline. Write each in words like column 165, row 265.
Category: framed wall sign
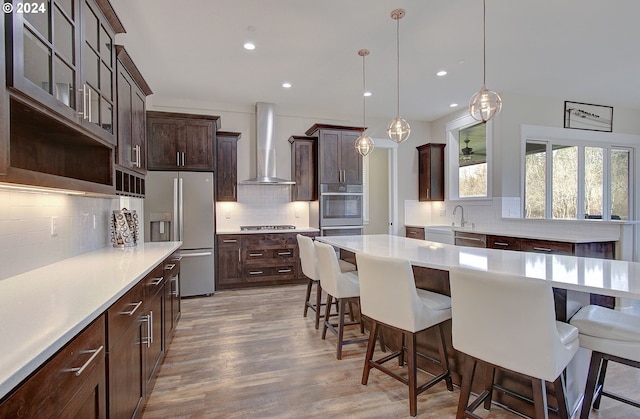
column 587, row 116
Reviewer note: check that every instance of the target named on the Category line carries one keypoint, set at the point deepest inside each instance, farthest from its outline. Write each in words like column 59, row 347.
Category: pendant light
column 398, row 129
column 364, row 144
column 485, row 104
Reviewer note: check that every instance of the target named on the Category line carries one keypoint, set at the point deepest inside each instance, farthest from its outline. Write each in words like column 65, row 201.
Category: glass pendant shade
column 485, row 104
column 399, row 130
column 364, row 144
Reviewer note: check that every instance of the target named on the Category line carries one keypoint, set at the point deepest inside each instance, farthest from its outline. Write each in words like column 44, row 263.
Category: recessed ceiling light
column 367, row 94
column 249, row 45
column 441, row 73
column 453, row 105
column 286, row 85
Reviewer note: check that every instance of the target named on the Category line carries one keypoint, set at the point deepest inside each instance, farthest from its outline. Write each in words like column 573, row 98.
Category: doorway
column 380, row 181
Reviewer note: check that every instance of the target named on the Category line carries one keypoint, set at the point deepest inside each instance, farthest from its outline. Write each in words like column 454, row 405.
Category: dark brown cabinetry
column 246, row 260
column 415, row 232
column 153, row 348
column 503, row 242
column 178, row 141
column 229, row 256
column 171, row 311
column 64, row 59
column 132, row 121
column 227, row 166
column 431, row 172
column 304, row 161
column 604, row 250
column 70, row 385
column 338, row 160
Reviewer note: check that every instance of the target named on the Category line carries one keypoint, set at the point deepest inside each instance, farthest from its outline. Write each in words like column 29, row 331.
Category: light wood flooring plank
column 250, row 354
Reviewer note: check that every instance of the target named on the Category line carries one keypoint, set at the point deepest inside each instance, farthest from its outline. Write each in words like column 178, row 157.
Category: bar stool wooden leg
column 469, row 371
column 444, row 361
column 327, row 315
column 593, row 378
column 600, row 384
column 488, row 385
column 341, row 314
column 402, row 349
column 539, row 398
column 318, row 303
column 558, row 385
column 413, row 372
column 308, row 296
column 371, row 346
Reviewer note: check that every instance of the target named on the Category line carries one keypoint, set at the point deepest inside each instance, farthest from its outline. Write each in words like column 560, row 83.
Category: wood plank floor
column 251, row 354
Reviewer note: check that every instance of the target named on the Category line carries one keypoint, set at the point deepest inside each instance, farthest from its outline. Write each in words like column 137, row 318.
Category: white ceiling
column 577, row 50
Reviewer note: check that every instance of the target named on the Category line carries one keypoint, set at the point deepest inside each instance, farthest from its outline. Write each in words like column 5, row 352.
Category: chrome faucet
column 462, row 220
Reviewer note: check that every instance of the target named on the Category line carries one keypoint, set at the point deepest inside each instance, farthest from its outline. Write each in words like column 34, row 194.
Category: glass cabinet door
column 48, row 68
column 98, row 61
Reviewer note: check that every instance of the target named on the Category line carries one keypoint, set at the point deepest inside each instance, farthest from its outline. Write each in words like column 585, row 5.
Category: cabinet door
column 546, row 246
column 328, row 147
column 125, row 155
column 350, row 159
column 126, row 390
column 162, row 143
column 139, row 130
column 197, row 145
column 98, row 72
column 226, row 168
column 45, row 59
column 228, row 260
column 303, row 169
column 152, row 341
column 415, row 232
column 431, row 172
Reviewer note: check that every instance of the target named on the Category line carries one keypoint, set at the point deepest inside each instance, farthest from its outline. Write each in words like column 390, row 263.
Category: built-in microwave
column 341, row 205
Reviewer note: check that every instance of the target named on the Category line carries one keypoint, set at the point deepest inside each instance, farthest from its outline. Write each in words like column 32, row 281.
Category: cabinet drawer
column 415, row 232
column 229, row 240
column 264, row 273
column 470, row 239
column 545, row 246
column 268, row 240
column 48, row 392
column 171, row 266
column 154, row 281
column 124, row 312
column 503, row 242
column 269, row 256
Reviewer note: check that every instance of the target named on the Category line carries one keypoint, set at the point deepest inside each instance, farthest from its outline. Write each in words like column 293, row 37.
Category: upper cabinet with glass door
column 62, row 56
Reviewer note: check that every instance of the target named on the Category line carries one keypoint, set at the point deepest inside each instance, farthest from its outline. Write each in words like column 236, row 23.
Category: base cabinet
column 247, row 260
column 70, row 385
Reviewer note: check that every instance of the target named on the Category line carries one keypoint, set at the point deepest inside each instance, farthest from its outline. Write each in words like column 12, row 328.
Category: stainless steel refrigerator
column 180, row 206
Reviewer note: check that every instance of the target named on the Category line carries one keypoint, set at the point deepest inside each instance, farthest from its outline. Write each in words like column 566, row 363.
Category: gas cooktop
column 268, row 227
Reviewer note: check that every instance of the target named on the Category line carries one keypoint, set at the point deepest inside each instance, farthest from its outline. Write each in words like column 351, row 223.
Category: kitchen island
column 574, row 279
column 43, row 309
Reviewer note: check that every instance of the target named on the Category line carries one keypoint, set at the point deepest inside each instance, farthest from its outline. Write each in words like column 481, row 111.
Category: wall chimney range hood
column 265, row 148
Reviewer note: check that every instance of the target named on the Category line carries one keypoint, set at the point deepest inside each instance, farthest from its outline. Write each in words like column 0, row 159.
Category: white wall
column 26, row 242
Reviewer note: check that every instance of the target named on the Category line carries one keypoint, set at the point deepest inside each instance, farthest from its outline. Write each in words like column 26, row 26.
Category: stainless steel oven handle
column 193, row 255
column 341, row 193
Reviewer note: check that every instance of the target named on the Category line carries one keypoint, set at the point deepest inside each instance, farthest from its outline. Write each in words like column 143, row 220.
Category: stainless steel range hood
column 266, row 150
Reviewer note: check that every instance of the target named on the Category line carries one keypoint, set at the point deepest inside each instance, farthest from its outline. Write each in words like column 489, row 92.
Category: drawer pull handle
column 501, row 244
column 255, row 272
column 230, row 241
column 255, row 254
column 169, row 267
column 156, row 281
column 130, row 313
column 542, row 249
column 284, row 253
column 284, row 271
column 81, row 369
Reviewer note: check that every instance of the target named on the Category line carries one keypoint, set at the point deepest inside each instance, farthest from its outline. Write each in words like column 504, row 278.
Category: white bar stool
column 611, row 336
column 509, row 322
column 308, row 262
column 342, row 286
column 389, row 297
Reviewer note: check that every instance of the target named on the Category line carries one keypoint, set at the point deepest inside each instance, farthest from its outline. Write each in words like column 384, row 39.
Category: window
column 469, row 159
column 576, row 180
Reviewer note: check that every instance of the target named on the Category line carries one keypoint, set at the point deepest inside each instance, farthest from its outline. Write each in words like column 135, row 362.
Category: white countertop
column 601, row 276
column 292, row 230
column 43, row 309
column 585, row 237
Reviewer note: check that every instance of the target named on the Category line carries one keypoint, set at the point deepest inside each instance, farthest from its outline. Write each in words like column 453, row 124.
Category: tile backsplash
column 26, row 239
column 261, row 205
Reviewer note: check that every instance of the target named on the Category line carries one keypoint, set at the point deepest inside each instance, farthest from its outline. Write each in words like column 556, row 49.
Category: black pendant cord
column 484, row 42
column 398, row 67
